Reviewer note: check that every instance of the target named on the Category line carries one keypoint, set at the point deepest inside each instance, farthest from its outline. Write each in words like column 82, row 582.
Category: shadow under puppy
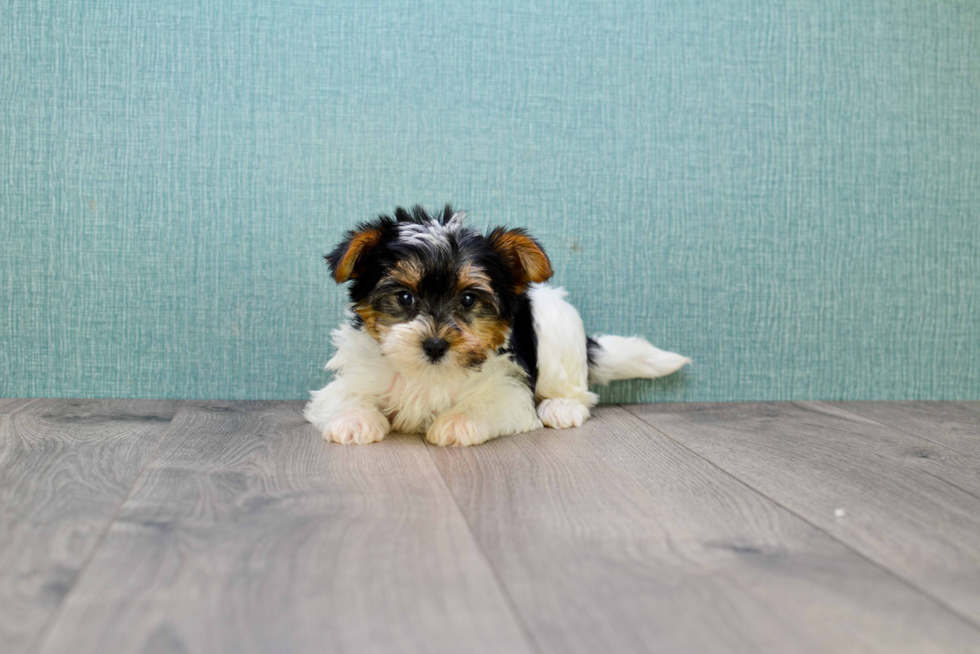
column 454, row 336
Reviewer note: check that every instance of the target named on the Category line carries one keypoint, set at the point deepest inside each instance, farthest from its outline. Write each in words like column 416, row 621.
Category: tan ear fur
column 359, row 242
column 527, row 261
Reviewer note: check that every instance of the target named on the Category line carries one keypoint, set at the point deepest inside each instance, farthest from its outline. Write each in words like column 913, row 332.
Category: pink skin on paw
column 356, row 427
column 562, row 413
column 455, row 430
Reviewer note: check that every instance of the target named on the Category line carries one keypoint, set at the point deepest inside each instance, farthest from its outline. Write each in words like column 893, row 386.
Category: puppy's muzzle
column 434, row 348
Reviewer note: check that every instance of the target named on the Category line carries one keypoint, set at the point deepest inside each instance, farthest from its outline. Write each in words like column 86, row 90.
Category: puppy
column 454, row 335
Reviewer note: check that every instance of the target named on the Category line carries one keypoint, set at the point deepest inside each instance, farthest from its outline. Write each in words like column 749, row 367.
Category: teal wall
column 787, row 192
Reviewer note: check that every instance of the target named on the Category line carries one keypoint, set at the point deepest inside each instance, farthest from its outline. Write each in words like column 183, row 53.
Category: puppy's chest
column 411, row 403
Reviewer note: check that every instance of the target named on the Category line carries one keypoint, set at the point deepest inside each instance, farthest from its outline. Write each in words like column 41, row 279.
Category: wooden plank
column 248, row 533
column 909, row 505
column 953, row 424
column 12, row 404
column 65, row 469
column 613, row 538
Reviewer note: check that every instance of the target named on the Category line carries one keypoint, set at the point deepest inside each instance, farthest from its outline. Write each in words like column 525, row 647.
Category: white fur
column 432, row 233
column 449, row 404
column 631, row 358
column 562, row 413
column 377, row 388
column 563, row 367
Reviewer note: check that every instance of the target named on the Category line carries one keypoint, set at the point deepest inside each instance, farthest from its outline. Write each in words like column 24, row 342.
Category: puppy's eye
column 467, row 300
column 405, row 298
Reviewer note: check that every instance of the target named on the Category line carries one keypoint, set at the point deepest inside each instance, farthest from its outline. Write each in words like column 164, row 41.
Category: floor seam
column 892, row 573
column 508, row 600
column 45, row 632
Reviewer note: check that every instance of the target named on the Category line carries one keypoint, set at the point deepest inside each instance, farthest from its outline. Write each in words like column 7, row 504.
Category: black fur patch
column 592, row 349
column 439, row 257
column 523, row 346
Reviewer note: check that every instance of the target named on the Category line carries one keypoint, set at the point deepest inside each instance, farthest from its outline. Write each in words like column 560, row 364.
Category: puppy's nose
column 434, row 348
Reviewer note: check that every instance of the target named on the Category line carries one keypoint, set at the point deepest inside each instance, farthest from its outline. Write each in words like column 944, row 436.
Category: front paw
column 357, row 426
column 562, row 413
column 456, row 429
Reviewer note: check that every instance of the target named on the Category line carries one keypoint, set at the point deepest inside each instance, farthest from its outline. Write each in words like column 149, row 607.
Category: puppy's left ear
column 348, row 258
column 526, row 259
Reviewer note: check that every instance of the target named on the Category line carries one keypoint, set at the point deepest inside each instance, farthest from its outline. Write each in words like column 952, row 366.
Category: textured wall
column 787, row 192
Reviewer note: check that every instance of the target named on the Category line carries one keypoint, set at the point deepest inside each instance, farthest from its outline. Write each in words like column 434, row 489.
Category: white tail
column 619, row 357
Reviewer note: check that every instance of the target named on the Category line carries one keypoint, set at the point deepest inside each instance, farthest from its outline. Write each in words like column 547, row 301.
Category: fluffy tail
column 618, row 357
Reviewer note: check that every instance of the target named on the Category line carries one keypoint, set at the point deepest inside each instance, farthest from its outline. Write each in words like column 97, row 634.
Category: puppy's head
column 436, row 294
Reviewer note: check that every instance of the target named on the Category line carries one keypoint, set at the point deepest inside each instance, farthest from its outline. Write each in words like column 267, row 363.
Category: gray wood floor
column 155, row 526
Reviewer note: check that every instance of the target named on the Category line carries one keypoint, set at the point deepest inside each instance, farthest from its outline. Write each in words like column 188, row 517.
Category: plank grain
column 248, row 533
column 613, row 538
column 953, row 424
column 904, row 502
column 14, row 404
column 65, row 469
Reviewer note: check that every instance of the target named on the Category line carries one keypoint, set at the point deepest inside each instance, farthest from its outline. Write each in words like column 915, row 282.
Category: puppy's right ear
column 348, row 259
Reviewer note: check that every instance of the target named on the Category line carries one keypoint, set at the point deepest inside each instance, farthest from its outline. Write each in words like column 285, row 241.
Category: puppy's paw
column 562, row 413
column 359, row 426
column 456, row 429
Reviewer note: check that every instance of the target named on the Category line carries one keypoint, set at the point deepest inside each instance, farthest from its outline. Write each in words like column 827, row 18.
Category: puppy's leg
column 563, row 366
column 345, row 417
column 500, row 407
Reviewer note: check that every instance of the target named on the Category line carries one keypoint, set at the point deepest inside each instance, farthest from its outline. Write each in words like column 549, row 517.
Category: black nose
column 435, row 348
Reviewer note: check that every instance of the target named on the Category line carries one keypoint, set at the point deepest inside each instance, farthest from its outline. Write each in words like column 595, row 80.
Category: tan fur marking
column 527, row 260
column 408, row 273
column 473, row 277
column 347, row 268
column 479, row 339
column 376, row 323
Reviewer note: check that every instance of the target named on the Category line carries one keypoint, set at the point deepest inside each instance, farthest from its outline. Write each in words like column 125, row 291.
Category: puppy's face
column 435, row 294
